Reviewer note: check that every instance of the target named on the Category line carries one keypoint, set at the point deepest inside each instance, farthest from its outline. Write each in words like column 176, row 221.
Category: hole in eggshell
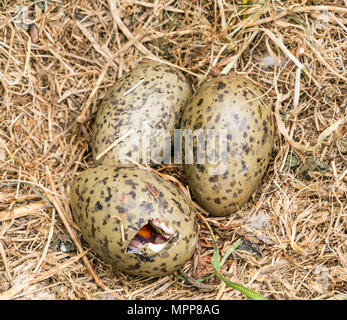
column 155, row 235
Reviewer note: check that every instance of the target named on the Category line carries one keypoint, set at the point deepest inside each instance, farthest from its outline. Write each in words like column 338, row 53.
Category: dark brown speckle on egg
column 150, row 96
column 118, row 211
column 231, row 103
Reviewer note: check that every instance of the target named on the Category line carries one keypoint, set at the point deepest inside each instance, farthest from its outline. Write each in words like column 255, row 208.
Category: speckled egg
column 139, row 113
column 134, row 219
column 242, row 131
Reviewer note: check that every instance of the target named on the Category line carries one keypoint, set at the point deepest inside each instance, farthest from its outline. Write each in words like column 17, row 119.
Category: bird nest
column 57, row 60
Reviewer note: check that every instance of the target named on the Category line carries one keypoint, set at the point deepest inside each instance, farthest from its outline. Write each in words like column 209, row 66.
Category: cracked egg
column 134, row 219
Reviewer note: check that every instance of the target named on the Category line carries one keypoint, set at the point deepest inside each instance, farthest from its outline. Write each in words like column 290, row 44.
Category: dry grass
column 54, row 72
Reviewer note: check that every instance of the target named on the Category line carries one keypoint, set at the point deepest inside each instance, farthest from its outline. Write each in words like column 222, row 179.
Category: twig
column 4, row 259
column 118, row 21
column 151, row 5
column 82, row 116
column 151, row 57
column 203, row 287
column 9, row 294
column 231, row 61
column 23, row 211
column 297, row 87
column 105, row 52
column 322, row 61
column 133, row 88
column 281, row 45
column 282, row 128
column 112, row 145
column 56, row 202
column 222, row 14
column 45, row 250
column 296, row 10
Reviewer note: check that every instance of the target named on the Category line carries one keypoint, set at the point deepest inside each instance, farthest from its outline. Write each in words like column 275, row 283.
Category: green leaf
column 41, row 4
column 317, row 165
column 215, row 259
column 292, row 161
column 249, row 293
column 245, row 16
column 297, row 20
column 322, row 167
column 312, row 164
column 231, row 249
column 229, row 66
column 285, row 116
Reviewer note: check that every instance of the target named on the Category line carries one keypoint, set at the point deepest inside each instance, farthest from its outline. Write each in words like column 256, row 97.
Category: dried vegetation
column 57, row 59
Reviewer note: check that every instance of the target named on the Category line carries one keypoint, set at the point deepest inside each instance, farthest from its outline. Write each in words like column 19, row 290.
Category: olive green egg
column 139, row 114
column 235, row 130
column 134, row 219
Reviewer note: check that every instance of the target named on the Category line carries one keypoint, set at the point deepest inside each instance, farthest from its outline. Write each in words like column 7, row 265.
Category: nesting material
column 56, row 64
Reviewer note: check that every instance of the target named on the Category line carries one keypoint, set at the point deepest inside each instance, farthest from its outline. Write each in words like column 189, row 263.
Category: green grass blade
column 249, row 293
column 215, row 259
column 231, row 249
